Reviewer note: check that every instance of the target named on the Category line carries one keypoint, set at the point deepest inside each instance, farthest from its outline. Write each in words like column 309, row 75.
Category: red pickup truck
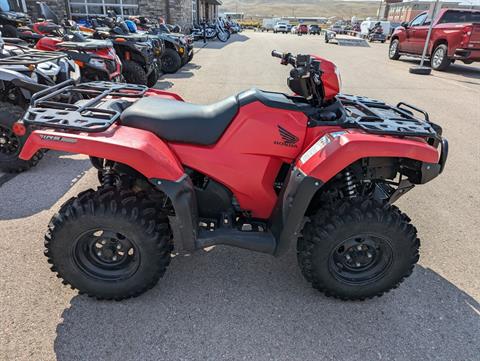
column 455, row 36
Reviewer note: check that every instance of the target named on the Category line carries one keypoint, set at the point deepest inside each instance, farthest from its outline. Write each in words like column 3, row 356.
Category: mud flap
column 185, row 221
column 289, row 213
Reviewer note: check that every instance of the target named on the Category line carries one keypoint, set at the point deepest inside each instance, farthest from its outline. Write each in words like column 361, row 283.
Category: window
column 455, row 16
column 194, row 11
column 100, row 7
column 419, row 20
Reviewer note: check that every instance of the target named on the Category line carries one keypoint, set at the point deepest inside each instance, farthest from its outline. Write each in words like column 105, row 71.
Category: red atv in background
column 259, row 170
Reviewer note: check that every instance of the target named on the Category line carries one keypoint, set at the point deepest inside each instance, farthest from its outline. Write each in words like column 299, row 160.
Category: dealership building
column 182, row 12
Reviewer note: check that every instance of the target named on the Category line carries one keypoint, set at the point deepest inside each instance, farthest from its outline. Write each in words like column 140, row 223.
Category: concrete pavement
column 230, row 304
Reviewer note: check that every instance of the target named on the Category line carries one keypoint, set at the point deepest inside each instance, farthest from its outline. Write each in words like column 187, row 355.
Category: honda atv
column 24, row 72
column 259, row 170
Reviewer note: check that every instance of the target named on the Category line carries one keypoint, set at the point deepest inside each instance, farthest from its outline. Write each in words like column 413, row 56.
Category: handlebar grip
column 276, row 54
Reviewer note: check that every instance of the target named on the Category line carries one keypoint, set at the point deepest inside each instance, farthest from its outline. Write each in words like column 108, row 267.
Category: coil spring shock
column 108, row 177
column 350, row 187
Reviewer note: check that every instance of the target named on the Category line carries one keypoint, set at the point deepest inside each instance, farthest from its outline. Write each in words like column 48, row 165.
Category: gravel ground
column 230, row 304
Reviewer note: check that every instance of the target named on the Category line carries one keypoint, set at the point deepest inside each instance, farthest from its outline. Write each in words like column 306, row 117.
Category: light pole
column 379, row 9
column 421, row 69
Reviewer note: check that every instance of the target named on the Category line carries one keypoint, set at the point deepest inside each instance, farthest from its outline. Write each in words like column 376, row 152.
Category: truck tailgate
column 474, row 41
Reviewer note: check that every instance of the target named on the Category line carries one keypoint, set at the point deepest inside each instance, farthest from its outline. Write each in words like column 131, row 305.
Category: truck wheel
column 440, row 60
column 11, row 144
column 134, row 73
column 393, row 52
column 171, row 61
column 110, row 244
column 358, row 250
column 9, row 31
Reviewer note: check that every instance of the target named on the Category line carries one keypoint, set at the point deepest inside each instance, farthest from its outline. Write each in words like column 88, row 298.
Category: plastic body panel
column 139, row 149
column 353, row 145
column 249, row 154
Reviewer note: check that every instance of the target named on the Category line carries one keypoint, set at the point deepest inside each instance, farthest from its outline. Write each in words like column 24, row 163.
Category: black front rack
column 31, row 57
column 88, row 107
column 377, row 117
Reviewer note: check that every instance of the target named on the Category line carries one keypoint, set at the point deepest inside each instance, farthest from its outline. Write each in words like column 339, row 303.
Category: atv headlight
column 339, row 76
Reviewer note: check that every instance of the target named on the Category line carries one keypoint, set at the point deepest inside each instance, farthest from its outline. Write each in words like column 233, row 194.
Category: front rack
column 31, row 57
column 88, row 107
column 377, row 117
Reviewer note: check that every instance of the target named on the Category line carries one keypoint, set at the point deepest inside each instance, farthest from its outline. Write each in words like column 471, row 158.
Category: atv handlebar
column 287, row 58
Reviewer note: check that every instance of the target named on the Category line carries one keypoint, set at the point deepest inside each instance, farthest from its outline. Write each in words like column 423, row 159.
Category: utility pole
column 379, row 9
column 425, row 70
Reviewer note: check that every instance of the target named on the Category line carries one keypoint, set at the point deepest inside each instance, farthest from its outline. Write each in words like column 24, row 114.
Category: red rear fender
column 139, row 149
column 336, row 151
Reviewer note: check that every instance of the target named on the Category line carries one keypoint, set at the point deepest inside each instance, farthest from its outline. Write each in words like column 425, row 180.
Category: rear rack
column 31, row 57
column 377, row 117
column 88, row 107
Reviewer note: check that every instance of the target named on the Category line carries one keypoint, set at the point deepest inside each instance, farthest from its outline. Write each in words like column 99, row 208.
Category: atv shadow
column 235, row 38
column 41, row 187
column 184, row 72
column 232, row 304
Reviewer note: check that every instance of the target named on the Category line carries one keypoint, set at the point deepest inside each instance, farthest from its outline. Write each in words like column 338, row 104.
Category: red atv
column 259, row 170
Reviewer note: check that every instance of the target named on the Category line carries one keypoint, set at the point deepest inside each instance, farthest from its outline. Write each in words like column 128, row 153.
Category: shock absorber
column 350, row 187
column 108, row 177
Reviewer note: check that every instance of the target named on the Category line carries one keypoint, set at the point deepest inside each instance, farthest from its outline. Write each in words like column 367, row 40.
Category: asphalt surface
column 230, row 304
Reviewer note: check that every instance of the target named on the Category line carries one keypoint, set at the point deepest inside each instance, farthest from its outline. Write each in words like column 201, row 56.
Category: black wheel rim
column 9, row 142
column 361, row 259
column 106, row 255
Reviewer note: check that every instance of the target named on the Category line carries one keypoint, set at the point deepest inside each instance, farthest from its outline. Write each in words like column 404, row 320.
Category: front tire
column 109, row 244
column 134, row 73
column 171, row 61
column 393, row 51
column 440, row 60
column 358, row 250
column 11, row 144
column 9, row 31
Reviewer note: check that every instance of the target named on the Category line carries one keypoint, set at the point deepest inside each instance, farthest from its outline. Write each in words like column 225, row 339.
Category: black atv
column 11, row 19
column 139, row 53
column 178, row 47
column 24, row 72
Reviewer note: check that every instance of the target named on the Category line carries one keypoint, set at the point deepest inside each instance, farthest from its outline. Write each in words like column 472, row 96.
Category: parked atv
column 11, row 19
column 23, row 72
column 259, row 170
column 139, row 53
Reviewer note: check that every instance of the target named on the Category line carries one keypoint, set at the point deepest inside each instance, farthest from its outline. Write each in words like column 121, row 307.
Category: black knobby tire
column 107, row 215
column 9, row 31
column 134, row 73
column 10, row 144
column 171, row 61
column 393, row 51
column 153, row 77
column 440, row 60
column 358, row 250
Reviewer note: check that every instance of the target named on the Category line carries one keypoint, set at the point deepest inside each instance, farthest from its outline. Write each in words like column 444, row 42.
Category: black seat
column 178, row 121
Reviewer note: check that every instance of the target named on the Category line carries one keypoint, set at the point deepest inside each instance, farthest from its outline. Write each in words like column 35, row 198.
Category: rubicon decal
column 288, row 139
column 56, row 138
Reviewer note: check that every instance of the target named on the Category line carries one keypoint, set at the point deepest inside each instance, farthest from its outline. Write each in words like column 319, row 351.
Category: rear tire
column 109, row 244
column 134, row 73
column 440, row 60
column 393, row 52
column 10, row 144
column 171, row 61
column 358, row 250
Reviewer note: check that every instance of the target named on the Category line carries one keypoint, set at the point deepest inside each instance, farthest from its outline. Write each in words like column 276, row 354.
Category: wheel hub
column 106, row 255
column 361, row 259
column 9, row 142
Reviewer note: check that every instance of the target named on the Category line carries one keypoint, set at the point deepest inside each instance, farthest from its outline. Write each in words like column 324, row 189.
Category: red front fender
column 139, row 149
column 344, row 148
